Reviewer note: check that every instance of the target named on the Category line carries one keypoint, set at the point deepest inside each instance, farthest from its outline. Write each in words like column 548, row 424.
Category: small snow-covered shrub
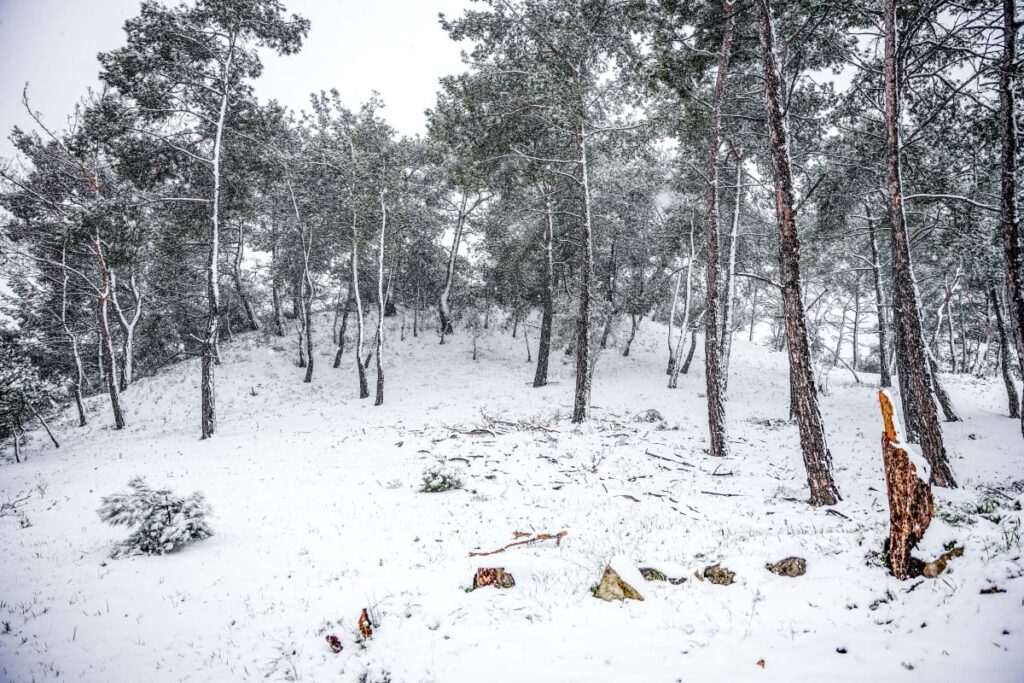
column 440, row 478
column 163, row 522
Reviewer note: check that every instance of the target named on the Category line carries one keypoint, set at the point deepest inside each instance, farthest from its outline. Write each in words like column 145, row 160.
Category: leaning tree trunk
column 678, row 367
column 443, row 309
column 672, row 324
column 106, row 345
column 381, row 299
column 581, row 399
column 730, row 277
column 343, row 329
column 1005, row 358
column 250, row 313
column 635, row 325
column 540, row 378
column 915, row 377
column 1013, row 241
column 693, row 345
column 712, row 349
column 911, row 506
column 817, row 458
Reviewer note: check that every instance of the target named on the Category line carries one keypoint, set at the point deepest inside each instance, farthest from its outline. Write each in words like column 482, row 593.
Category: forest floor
column 317, row 514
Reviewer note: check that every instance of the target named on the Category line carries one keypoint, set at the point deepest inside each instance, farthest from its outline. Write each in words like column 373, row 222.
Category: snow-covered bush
column 163, row 522
column 439, row 478
column 23, row 392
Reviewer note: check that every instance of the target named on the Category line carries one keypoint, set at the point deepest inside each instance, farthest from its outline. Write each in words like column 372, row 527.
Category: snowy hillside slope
column 317, row 515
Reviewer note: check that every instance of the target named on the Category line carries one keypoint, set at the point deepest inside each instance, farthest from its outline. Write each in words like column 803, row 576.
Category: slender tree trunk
column 106, row 344
column 753, row 310
column 1013, row 241
column 364, row 390
column 443, row 309
column 730, row 277
column 635, row 320
column 672, row 324
column 250, row 313
column 883, row 327
column 677, row 367
column 916, row 376
column 526, row 340
column 540, row 378
column 42, row 421
column 712, row 349
column 817, row 458
column 940, row 391
column 581, row 401
column 342, row 330
column 856, row 326
column 209, row 353
column 693, row 345
column 416, row 314
column 275, row 289
column 381, row 300
column 76, row 357
column 1005, row 358
column 127, row 374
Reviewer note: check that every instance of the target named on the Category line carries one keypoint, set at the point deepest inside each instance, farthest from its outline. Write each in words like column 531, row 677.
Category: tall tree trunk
column 106, row 344
column 581, row 399
column 540, row 378
column 712, row 349
column 1013, row 241
column 856, row 325
column 443, row 308
column 730, row 276
column 918, row 380
column 1005, row 358
column 209, row 353
column 381, row 300
column 883, row 327
column 364, row 390
column 817, row 458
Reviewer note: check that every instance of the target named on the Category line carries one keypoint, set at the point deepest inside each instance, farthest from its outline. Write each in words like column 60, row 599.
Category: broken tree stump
column 911, row 506
column 493, row 576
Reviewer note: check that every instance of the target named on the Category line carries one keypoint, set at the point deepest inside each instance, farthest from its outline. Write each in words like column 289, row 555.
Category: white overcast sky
column 395, row 47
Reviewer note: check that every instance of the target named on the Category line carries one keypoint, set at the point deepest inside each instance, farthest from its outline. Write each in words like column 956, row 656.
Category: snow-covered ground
column 317, row 514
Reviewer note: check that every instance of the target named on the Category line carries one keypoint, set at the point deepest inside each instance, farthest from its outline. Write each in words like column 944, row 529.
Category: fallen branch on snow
column 527, row 539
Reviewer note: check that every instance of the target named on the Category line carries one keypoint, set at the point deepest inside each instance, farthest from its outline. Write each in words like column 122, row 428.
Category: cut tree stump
column 911, row 506
column 493, row 576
